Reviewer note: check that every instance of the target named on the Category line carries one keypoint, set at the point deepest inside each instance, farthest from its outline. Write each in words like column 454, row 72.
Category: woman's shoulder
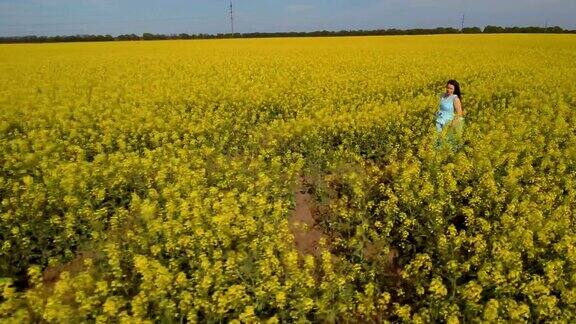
column 444, row 96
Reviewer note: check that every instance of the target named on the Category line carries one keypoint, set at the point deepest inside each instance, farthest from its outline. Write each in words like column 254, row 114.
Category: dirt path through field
column 303, row 225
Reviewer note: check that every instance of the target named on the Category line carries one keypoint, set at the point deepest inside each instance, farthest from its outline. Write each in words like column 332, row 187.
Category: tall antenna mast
column 231, row 18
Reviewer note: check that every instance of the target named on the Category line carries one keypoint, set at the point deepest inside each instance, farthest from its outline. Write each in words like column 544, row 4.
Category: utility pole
column 231, row 18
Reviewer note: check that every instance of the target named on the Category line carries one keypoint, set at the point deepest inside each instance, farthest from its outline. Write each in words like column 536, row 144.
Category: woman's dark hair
column 456, row 88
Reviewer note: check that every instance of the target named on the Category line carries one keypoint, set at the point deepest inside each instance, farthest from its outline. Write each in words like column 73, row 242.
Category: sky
column 115, row 17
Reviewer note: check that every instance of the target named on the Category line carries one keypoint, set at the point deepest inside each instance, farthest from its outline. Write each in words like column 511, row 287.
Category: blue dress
column 445, row 113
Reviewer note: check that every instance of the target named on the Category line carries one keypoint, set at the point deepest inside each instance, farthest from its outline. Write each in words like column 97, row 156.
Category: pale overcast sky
column 70, row 17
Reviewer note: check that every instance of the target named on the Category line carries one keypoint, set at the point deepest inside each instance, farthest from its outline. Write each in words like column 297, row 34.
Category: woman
column 450, row 114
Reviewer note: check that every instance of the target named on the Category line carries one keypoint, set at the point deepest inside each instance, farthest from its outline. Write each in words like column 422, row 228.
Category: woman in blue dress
column 450, row 116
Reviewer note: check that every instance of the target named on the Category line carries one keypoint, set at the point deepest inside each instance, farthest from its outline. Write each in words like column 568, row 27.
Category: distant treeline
column 393, row 31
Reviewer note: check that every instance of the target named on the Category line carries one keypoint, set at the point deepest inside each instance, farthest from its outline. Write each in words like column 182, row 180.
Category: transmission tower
column 462, row 25
column 231, row 18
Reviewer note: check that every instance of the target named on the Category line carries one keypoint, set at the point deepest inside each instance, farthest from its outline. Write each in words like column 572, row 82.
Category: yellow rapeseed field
column 157, row 181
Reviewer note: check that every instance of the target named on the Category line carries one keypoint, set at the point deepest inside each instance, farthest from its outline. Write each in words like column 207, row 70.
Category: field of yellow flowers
column 156, row 181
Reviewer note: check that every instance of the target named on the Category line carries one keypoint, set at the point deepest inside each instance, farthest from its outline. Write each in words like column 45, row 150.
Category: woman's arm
column 458, row 108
